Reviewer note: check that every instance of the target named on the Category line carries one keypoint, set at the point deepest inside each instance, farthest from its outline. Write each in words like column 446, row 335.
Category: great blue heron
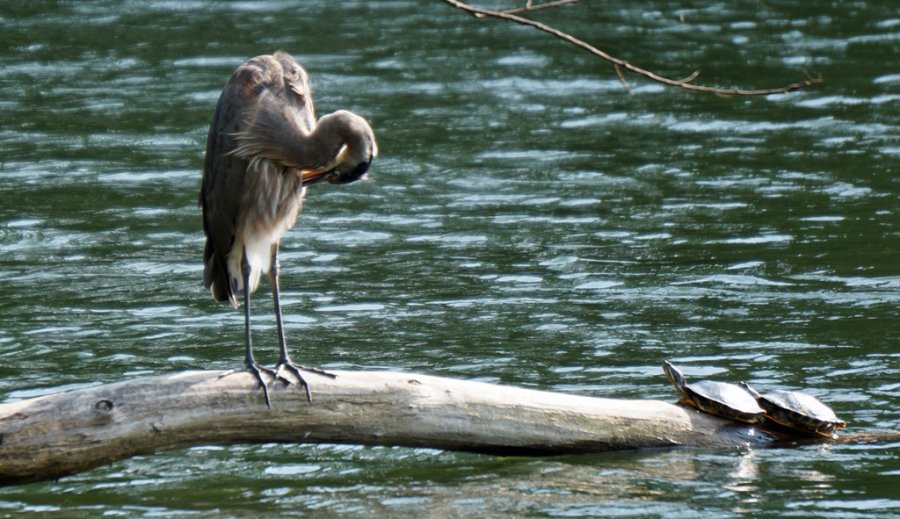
column 264, row 147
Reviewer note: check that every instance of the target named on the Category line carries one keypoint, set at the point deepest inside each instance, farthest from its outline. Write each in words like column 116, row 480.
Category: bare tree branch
column 510, row 16
column 64, row 433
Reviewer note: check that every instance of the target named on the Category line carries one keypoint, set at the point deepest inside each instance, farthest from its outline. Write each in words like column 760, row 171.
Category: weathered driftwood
column 69, row 432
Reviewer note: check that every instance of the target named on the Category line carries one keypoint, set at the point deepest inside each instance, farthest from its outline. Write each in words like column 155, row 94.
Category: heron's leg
column 284, row 359
column 249, row 361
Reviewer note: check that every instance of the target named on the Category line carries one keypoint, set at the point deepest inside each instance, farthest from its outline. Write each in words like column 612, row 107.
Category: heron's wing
column 296, row 90
column 220, row 196
column 224, row 172
column 263, row 81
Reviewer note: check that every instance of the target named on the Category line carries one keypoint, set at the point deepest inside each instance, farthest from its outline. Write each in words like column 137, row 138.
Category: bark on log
column 64, row 433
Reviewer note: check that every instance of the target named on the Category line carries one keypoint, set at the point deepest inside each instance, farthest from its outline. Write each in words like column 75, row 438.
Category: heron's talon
column 257, row 371
column 287, row 365
column 227, row 373
column 279, row 376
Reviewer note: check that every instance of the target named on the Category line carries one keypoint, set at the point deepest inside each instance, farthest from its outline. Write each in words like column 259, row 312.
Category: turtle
column 798, row 411
column 717, row 398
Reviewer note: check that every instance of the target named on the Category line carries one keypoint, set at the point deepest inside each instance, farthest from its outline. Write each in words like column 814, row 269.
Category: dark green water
column 530, row 223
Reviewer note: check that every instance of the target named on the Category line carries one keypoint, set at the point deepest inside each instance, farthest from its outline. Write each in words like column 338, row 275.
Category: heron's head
column 348, row 172
column 356, row 148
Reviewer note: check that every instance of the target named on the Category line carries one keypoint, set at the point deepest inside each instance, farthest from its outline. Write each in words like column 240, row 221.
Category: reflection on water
column 529, row 223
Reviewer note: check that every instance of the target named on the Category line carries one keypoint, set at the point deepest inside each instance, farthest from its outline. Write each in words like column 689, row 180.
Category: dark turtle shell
column 717, row 398
column 798, row 411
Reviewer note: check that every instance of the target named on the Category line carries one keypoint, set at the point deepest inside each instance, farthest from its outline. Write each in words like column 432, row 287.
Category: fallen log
column 69, row 432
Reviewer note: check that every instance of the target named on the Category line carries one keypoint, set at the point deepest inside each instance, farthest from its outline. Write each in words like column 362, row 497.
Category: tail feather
column 216, row 278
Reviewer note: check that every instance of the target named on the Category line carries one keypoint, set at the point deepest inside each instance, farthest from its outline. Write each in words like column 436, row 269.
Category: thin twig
column 480, row 13
column 621, row 77
column 690, row 78
column 531, row 7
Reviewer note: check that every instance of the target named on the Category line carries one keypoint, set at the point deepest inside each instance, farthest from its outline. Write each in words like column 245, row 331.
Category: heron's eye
column 293, row 71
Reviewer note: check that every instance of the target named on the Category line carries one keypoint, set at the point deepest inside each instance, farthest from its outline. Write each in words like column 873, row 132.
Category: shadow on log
column 65, row 433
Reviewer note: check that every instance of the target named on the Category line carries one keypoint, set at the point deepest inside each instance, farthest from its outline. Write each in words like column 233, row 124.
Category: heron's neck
column 318, row 149
column 283, row 139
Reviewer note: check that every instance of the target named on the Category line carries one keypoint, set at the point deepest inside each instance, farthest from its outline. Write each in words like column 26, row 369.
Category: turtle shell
column 717, row 398
column 800, row 411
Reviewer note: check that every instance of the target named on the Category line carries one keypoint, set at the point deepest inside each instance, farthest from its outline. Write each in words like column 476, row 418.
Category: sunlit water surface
column 530, row 222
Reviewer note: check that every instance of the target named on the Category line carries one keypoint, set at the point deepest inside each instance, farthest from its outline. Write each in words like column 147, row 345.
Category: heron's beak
column 311, row 176
column 336, row 175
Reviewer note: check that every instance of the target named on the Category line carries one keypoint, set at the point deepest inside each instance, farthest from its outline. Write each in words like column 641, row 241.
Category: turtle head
column 673, row 374
column 746, row 387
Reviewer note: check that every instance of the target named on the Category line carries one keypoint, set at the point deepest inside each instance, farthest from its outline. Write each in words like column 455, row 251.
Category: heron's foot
column 258, row 371
column 287, row 365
